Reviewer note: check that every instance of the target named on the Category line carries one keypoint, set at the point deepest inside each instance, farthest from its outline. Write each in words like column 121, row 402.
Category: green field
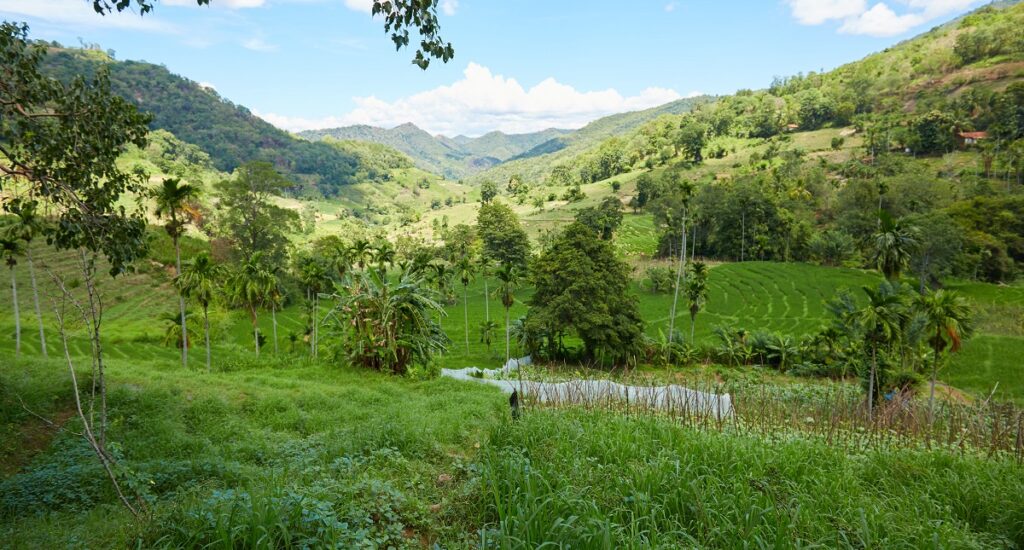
column 783, row 298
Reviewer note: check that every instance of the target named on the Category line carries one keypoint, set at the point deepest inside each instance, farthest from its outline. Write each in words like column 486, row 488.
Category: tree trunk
column 507, row 333
column 35, row 299
column 743, row 235
column 316, row 323
column 693, row 325
column 206, row 329
column 255, row 330
column 679, row 275
column 273, row 322
column 871, row 384
column 465, row 314
column 181, row 304
column 931, row 393
column 17, row 315
column 487, row 301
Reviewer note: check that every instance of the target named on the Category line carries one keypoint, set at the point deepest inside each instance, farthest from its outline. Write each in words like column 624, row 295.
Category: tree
column 894, row 244
column 696, row 292
column 948, row 320
column 691, row 138
column 249, row 286
column 62, row 141
column 312, row 271
column 488, row 190
column 199, row 281
column 504, row 240
column 389, row 326
column 605, row 218
column 174, row 200
column 939, row 244
column 398, row 15
column 883, row 319
column 509, row 279
column 465, row 270
column 487, row 329
column 580, row 285
column 248, row 218
column 10, row 249
column 25, row 226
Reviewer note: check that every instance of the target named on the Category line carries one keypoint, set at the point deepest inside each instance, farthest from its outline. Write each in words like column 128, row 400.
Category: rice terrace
column 293, row 282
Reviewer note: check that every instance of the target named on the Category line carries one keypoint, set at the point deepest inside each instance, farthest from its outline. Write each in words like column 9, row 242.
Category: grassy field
column 773, row 297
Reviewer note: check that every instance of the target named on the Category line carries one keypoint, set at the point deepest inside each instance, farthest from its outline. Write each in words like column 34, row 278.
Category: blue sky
column 520, row 65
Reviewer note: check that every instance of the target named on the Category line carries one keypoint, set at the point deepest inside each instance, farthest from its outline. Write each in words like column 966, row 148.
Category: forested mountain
column 454, row 157
column 229, row 133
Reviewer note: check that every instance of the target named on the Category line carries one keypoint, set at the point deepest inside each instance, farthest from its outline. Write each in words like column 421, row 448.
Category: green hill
column 453, row 157
column 229, row 133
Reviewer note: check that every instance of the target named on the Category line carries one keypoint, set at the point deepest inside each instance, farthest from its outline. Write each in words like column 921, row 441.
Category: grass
column 377, row 443
column 598, row 480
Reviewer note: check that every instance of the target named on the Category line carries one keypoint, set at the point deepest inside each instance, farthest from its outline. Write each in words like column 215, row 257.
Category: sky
column 519, row 66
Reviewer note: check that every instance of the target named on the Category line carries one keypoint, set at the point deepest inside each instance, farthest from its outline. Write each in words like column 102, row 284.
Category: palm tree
column 882, row 320
column 313, row 275
column 894, row 244
column 361, row 253
column 509, row 280
column 248, row 287
column 198, row 281
column 948, row 319
column 26, row 225
column 384, row 256
column 174, row 201
column 697, row 293
column 275, row 297
column 10, row 249
column 487, row 329
column 484, row 266
column 465, row 271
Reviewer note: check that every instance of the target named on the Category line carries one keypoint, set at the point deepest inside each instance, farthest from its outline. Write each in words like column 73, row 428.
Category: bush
column 660, row 279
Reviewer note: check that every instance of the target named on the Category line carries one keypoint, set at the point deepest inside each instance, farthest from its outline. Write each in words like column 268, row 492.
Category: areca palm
column 313, row 274
column 384, row 256
column 465, row 271
column 882, row 320
column 484, row 266
column 948, row 320
column 198, row 281
column 26, row 225
column 10, row 249
column 894, row 244
column 697, row 293
column 248, row 287
column 361, row 253
column 509, row 279
column 173, row 201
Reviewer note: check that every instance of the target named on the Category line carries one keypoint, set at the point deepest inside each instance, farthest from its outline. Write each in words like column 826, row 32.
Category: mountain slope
column 229, row 133
column 454, row 157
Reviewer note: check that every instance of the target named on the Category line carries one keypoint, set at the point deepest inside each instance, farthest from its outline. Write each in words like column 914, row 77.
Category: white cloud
column 258, row 45
column 671, row 6
column 80, row 14
column 365, row 6
column 448, row 7
column 481, row 102
column 880, row 19
column 816, row 12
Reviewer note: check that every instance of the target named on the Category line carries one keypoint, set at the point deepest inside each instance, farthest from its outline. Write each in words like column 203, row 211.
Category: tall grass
column 594, row 479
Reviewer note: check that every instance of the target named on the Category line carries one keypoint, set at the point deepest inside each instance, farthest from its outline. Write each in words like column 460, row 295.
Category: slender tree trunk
column 871, row 384
column 693, row 325
column 743, row 235
column 206, row 329
column 507, row 333
column 255, row 330
column 316, row 324
column 17, row 314
column 931, row 393
column 35, row 299
column 679, row 276
column 273, row 322
column 487, row 301
column 181, row 304
column 465, row 314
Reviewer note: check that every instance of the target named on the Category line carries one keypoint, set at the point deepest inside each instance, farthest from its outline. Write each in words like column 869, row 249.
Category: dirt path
column 33, row 437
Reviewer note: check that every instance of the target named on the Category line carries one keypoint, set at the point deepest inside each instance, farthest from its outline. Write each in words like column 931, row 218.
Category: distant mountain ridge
column 454, row 157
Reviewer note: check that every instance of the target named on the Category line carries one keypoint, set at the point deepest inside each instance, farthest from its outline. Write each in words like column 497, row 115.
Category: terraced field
column 783, row 298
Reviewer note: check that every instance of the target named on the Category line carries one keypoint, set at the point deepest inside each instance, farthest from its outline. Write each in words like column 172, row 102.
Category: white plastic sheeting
column 671, row 398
